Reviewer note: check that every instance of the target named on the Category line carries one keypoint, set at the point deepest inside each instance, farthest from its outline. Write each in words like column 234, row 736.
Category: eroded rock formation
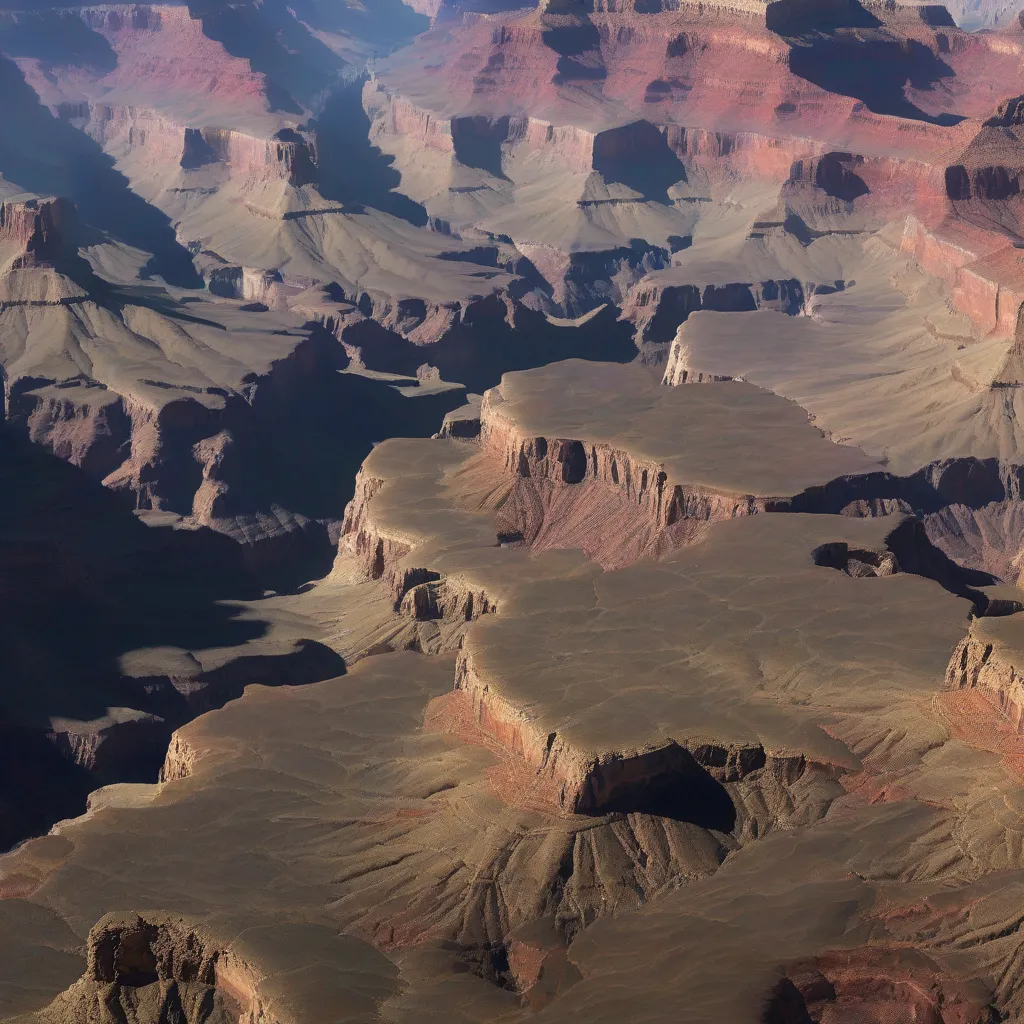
column 375, row 648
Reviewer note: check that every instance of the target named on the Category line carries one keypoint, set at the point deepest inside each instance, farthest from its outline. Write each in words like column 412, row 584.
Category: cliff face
column 377, row 553
column 986, row 273
column 155, row 55
column 989, row 660
column 642, row 483
column 585, row 782
column 81, row 422
column 658, row 307
column 598, row 636
column 141, row 134
column 35, row 233
column 139, row 434
column 160, row 965
column 666, row 494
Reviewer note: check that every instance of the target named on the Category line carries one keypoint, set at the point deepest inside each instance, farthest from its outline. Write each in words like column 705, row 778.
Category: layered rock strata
column 616, row 429
column 35, row 233
column 153, row 139
column 720, row 782
column 988, row 660
column 495, row 108
column 102, row 663
column 598, row 472
column 157, row 966
column 377, row 857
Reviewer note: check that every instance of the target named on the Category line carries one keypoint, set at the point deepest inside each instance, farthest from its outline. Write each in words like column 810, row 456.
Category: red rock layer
column 731, row 96
column 37, row 227
column 979, row 663
column 877, row 983
column 701, row 67
column 595, row 782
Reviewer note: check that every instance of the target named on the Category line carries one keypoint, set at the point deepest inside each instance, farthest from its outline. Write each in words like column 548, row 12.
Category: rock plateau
column 512, row 511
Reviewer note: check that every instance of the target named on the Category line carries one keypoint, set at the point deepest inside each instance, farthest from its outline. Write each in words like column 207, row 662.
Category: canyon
column 512, row 511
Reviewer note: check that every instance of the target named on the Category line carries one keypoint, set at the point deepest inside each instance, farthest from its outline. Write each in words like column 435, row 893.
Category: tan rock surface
column 730, row 439
column 352, row 815
column 622, row 701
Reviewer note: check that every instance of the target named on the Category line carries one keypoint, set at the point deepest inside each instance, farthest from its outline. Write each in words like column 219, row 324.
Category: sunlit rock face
column 511, row 511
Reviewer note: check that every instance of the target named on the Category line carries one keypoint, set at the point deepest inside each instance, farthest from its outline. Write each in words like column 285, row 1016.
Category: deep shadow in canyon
column 83, row 582
column 352, row 170
column 59, row 160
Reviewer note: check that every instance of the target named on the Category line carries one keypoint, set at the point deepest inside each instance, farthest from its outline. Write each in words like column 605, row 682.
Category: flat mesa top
column 739, row 639
column 731, row 436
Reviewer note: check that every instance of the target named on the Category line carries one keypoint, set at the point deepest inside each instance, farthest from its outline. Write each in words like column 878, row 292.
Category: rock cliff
column 987, row 661
column 517, row 526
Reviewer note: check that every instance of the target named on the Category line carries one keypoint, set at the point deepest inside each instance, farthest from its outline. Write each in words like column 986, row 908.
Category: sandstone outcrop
column 35, row 233
column 151, row 139
column 377, row 857
column 615, row 429
column 387, row 633
column 441, row 523
column 987, row 660
column 158, row 966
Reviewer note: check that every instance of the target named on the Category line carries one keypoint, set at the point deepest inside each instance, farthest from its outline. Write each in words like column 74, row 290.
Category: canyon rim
column 512, row 512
